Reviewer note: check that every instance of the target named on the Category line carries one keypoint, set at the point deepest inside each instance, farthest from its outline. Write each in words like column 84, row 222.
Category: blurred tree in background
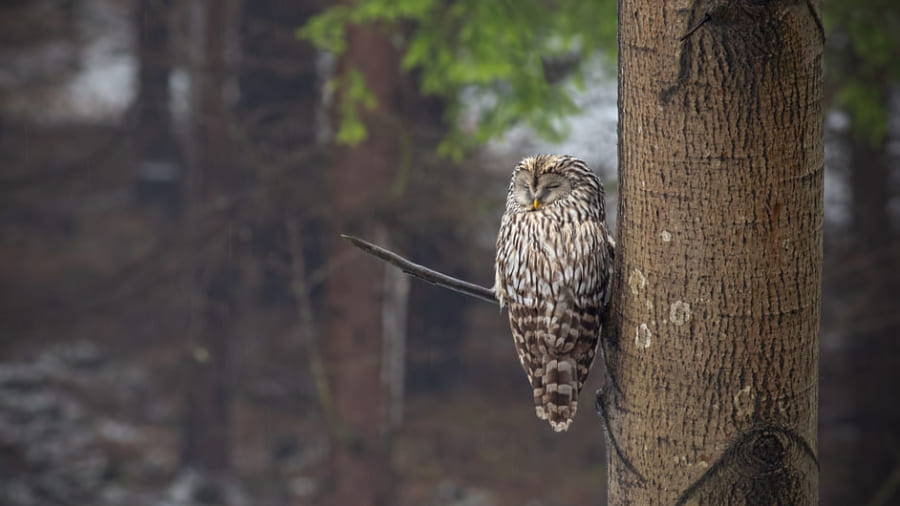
column 180, row 320
column 860, row 439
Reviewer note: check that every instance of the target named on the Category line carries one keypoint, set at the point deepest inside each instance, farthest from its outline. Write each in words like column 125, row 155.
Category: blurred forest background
column 182, row 325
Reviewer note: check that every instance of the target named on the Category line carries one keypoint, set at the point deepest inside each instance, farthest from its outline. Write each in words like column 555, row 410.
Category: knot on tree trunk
column 759, row 467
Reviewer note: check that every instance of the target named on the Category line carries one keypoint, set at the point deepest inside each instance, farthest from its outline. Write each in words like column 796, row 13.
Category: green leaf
column 328, row 29
column 353, row 93
column 497, row 51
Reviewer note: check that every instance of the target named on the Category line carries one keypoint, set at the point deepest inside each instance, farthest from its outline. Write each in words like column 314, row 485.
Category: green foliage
column 326, row 30
column 354, row 94
column 862, row 56
column 510, row 57
column 866, row 103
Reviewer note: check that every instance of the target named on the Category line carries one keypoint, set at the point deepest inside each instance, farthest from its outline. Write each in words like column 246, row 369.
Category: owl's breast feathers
column 559, row 259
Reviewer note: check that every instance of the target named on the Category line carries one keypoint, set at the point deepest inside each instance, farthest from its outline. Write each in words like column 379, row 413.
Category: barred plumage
column 552, row 270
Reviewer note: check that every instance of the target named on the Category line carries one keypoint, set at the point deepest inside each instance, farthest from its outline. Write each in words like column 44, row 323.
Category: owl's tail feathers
column 556, row 397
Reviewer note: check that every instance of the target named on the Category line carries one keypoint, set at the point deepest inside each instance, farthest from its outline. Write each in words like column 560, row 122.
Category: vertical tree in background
column 859, row 428
column 714, row 338
column 213, row 186
column 870, row 282
column 360, row 178
column 278, row 79
column 871, row 368
column 157, row 155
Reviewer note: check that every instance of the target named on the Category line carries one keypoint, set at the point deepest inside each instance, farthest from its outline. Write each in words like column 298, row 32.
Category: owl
column 553, row 266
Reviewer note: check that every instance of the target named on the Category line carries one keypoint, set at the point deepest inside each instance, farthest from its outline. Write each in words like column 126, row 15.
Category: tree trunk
column 213, row 183
column 713, row 343
column 360, row 186
column 873, row 334
column 278, row 79
column 870, row 183
column 864, row 458
column 158, row 160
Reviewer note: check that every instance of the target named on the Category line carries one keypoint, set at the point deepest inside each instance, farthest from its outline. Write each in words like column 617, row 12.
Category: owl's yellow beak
column 535, row 204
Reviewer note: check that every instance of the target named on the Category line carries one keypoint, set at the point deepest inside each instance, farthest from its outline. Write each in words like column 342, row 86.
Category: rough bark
column 360, row 180
column 713, row 343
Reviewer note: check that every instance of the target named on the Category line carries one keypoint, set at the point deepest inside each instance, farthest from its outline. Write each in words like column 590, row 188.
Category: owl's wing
column 559, row 373
column 563, row 321
column 502, row 262
column 577, row 332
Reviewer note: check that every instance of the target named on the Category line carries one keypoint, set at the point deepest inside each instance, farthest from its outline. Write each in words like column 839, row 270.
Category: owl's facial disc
column 550, row 188
column 533, row 193
column 522, row 191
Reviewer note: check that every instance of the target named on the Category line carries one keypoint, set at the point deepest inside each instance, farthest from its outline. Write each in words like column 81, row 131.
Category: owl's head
column 540, row 181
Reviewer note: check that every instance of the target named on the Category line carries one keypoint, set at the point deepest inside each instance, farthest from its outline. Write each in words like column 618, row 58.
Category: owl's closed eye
column 533, row 191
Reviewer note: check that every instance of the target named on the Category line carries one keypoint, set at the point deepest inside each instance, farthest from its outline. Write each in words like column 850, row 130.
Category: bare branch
column 424, row 273
column 307, row 323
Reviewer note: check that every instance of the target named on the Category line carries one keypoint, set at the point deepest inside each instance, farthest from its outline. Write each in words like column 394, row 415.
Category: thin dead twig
column 424, row 273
